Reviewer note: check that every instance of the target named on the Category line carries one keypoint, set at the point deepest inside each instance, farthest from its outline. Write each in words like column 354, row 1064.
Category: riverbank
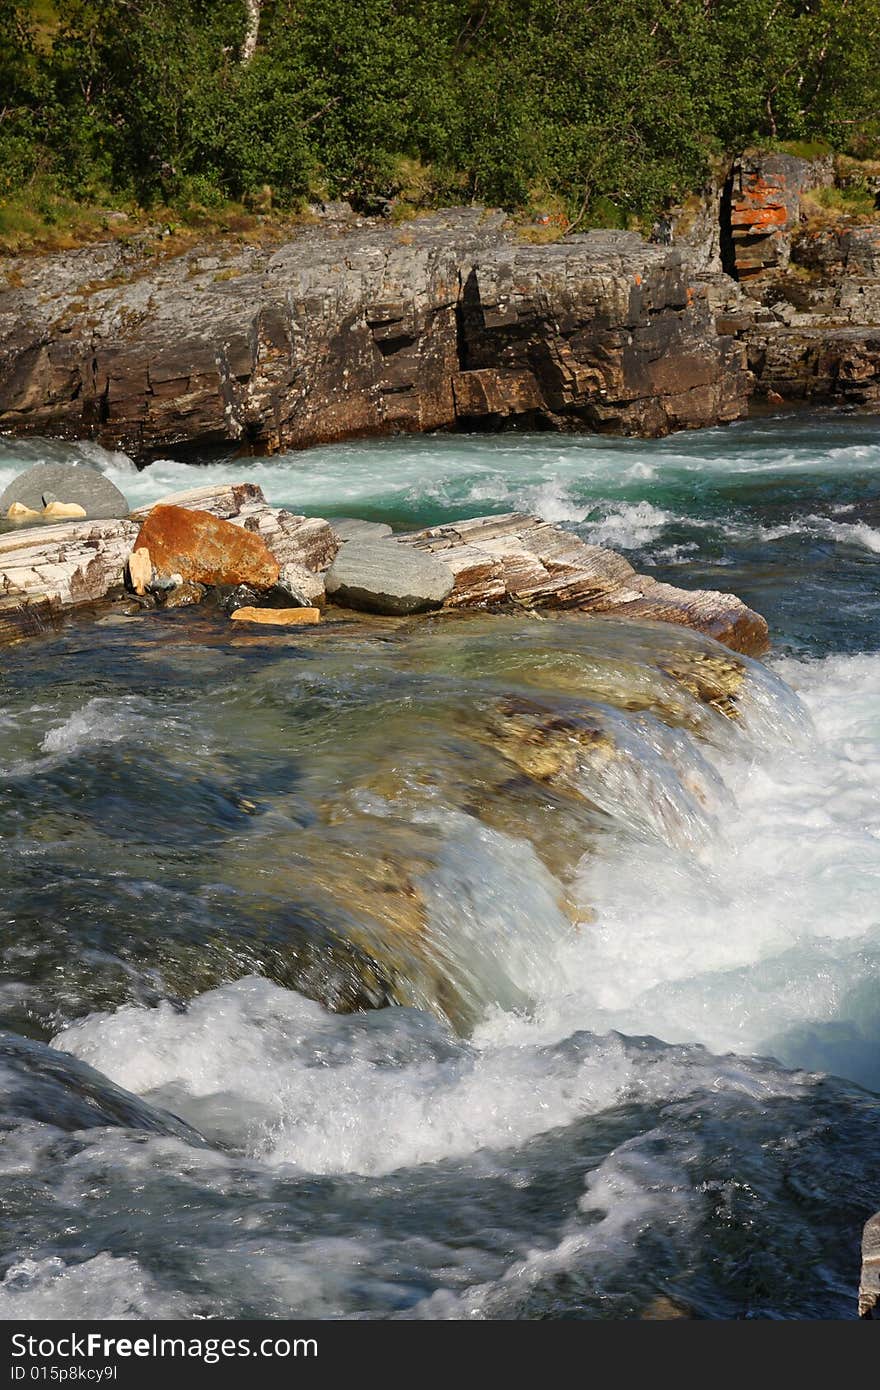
column 358, row 327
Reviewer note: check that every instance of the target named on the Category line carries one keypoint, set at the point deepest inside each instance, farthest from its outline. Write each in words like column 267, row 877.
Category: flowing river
column 470, row 966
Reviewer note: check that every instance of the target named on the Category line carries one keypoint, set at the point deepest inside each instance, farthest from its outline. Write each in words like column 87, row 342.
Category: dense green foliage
column 604, row 104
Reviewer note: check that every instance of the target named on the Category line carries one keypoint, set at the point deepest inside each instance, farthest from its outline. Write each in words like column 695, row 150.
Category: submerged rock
column 39, row 1083
column 202, row 548
column 383, row 577
column 49, row 485
column 277, row 617
column 184, row 595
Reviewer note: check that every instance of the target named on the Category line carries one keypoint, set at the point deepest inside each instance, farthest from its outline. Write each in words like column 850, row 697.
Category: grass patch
column 852, row 201
column 805, row 149
column 40, row 219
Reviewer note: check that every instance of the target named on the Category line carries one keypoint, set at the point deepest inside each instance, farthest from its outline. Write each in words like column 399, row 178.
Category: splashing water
column 615, row 889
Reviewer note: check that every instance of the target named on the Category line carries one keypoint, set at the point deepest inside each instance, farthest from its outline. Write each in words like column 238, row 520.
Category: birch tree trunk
column 252, row 33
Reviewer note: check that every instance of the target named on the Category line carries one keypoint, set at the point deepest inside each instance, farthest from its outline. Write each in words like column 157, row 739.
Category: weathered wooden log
column 520, row 559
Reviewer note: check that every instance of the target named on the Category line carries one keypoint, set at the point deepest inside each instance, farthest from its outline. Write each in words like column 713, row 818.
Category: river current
column 621, row 926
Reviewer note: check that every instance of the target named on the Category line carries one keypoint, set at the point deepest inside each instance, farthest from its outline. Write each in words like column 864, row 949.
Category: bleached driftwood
column 520, row 559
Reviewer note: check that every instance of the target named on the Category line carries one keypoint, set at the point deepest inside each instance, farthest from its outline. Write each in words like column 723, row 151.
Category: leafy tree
column 614, row 106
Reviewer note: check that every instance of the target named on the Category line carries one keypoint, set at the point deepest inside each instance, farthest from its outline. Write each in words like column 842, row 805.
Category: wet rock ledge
column 224, row 544
column 345, row 331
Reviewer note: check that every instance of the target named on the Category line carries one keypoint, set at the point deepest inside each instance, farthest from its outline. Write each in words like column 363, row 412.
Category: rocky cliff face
column 761, row 208
column 809, row 312
column 346, row 331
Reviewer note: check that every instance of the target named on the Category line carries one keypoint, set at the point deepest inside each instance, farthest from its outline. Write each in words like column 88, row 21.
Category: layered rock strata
column 486, row 562
column 445, row 322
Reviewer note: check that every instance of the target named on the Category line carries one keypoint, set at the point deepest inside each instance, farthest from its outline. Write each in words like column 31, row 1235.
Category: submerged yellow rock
column 19, row 512
column 277, row 617
column 64, row 511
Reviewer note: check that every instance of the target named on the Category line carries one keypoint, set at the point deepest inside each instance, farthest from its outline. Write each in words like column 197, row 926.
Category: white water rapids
column 643, row 1088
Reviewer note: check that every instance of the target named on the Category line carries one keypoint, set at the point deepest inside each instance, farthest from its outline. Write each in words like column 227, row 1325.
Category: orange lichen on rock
column 201, row 547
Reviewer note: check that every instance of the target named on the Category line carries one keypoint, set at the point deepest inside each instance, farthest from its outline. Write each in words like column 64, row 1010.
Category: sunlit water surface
column 628, row 947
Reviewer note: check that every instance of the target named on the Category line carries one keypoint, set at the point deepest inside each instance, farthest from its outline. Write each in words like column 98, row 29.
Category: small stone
column 184, row 594
column 302, row 586
column 19, row 512
column 277, row 617
column 385, row 577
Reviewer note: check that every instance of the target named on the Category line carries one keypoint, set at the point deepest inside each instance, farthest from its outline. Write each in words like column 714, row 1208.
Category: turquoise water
column 630, row 1045
column 784, row 512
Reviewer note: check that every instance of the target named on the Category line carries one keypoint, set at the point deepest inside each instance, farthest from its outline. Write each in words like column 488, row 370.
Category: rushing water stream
column 615, row 890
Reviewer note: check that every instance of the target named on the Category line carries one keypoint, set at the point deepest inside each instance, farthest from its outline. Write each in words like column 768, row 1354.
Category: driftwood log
column 513, row 560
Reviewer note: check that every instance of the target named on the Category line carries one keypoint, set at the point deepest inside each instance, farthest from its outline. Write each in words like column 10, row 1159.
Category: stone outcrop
column 802, row 288
column 521, row 560
column 304, row 541
column 823, row 340
column 515, row 560
column 47, row 569
column 445, row 322
column 813, row 363
column 764, row 200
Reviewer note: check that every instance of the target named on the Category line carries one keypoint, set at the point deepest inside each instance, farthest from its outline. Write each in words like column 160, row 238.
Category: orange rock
column 277, row 617
column 201, row 547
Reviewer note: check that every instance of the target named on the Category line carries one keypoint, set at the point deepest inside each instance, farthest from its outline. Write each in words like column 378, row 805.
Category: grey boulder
column 81, row 483
column 351, row 528
column 382, row 576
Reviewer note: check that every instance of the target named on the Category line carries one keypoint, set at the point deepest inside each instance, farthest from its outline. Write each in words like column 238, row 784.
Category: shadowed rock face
column 39, row 1083
column 440, row 324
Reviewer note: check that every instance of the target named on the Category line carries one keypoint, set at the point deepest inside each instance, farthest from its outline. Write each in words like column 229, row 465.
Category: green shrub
column 614, row 107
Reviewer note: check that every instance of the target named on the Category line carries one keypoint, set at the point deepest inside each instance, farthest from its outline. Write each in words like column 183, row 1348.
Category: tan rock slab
column 277, row 617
